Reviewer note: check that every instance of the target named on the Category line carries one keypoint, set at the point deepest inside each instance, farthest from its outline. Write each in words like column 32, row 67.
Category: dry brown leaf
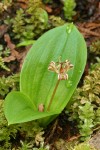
column 9, row 59
column 48, row 9
column 3, row 30
column 11, row 46
column 87, row 31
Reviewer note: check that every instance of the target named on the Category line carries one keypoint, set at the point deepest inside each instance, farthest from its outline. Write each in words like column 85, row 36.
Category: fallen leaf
column 3, row 30
column 11, row 46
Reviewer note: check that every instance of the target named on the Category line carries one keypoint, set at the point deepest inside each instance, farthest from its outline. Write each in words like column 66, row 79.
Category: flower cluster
column 61, row 68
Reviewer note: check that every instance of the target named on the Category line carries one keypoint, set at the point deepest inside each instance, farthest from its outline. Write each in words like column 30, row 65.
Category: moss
column 85, row 103
column 68, row 8
column 8, row 83
column 83, row 146
column 2, row 65
column 55, row 21
column 72, row 145
column 95, row 47
column 4, row 5
column 6, row 132
column 30, row 23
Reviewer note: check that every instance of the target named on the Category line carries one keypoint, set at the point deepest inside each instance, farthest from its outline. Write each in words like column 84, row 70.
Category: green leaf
column 39, row 83
column 26, row 43
column 18, row 108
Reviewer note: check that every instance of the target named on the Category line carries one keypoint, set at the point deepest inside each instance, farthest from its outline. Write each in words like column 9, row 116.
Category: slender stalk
column 53, row 94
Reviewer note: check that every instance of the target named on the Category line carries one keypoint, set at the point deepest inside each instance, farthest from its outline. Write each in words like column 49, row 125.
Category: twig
column 88, row 31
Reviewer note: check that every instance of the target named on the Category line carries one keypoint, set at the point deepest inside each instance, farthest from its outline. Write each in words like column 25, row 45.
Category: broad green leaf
column 18, row 108
column 26, row 43
column 39, row 83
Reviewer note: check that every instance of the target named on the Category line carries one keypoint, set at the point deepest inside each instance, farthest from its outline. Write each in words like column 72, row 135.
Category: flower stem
column 53, row 94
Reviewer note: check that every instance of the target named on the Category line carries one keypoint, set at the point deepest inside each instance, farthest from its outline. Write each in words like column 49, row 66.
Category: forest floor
column 87, row 20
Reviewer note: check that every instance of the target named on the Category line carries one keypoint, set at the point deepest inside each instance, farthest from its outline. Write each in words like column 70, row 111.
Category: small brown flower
column 61, row 68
